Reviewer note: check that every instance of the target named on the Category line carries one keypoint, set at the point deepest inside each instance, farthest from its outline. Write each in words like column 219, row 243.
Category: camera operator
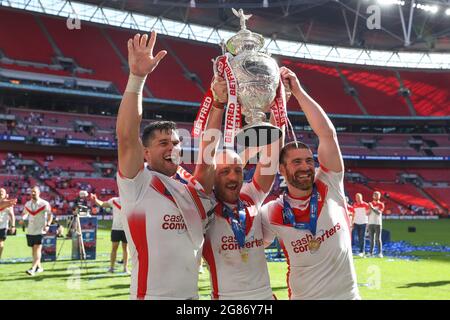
column 81, row 209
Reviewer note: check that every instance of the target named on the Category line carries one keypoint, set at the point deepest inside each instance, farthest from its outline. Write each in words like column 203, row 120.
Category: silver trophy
column 257, row 76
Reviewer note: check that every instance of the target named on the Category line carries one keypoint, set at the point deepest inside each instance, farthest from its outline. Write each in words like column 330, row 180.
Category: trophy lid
column 244, row 39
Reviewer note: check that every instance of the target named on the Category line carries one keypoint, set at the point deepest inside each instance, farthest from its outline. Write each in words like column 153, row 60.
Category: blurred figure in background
column 375, row 223
column 6, row 215
column 361, row 209
column 117, row 232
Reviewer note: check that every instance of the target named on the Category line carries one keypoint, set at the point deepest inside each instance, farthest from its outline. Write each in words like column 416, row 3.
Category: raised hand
column 140, row 54
column 290, row 80
column 6, row 203
column 219, row 89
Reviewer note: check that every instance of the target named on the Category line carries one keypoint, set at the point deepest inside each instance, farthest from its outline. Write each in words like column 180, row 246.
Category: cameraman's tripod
column 82, row 252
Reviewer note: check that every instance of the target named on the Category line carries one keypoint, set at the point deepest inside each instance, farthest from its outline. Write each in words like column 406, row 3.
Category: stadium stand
column 187, row 65
column 184, row 76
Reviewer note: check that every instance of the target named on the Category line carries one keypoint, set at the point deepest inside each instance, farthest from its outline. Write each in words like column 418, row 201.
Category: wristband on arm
column 135, row 84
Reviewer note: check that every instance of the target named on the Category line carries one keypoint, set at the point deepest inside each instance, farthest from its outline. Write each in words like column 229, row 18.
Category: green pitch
column 427, row 278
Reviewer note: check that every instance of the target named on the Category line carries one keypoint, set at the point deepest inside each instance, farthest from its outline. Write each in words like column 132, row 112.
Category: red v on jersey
column 301, row 215
column 159, row 186
column 117, row 205
column 33, row 213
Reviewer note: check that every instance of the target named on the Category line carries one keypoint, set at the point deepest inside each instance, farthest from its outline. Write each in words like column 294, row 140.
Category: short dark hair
column 289, row 146
column 149, row 130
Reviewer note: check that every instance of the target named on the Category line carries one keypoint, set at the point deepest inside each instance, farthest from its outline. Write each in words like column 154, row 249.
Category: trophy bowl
column 257, row 76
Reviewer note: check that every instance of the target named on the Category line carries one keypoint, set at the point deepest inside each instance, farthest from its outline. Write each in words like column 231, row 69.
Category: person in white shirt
column 164, row 219
column 6, row 215
column 234, row 243
column 310, row 219
column 117, row 232
column 375, row 223
column 38, row 212
column 361, row 209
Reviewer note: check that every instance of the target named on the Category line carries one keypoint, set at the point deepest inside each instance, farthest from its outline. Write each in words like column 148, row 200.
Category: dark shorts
column 118, row 235
column 34, row 239
column 3, row 234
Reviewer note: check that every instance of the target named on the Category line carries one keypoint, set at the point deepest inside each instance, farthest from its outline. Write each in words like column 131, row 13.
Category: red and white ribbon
column 202, row 115
column 189, row 178
column 233, row 117
column 278, row 107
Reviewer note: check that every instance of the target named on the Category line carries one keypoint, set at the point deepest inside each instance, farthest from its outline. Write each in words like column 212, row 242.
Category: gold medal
column 244, row 255
column 314, row 245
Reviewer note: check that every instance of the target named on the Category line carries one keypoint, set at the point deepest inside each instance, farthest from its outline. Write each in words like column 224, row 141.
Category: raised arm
column 141, row 62
column 329, row 153
column 267, row 166
column 5, row 203
column 99, row 202
column 376, row 210
column 204, row 169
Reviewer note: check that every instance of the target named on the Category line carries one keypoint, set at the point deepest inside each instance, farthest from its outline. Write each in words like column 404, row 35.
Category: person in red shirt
column 361, row 212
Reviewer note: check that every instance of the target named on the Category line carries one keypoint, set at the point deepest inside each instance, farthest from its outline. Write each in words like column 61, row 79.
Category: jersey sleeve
column 268, row 232
column 131, row 190
column 254, row 192
column 334, row 181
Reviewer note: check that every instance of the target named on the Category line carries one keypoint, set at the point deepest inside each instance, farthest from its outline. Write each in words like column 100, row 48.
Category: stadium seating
column 429, row 92
column 21, row 26
column 377, row 89
column 196, row 56
column 101, row 58
column 322, row 83
column 442, row 195
column 407, row 194
column 168, row 80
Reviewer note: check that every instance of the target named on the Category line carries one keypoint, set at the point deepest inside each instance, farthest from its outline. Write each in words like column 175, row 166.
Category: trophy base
column 258, row 135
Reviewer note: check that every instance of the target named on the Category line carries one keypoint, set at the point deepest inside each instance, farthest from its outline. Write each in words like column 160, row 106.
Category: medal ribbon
column 289, row 218
column 238, row 226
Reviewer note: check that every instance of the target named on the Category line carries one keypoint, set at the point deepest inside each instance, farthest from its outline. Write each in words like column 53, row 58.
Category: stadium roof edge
column 75, row 11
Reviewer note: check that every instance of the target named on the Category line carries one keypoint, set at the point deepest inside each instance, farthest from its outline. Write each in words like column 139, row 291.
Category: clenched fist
column 140, row 54
column 219, row 89
column 291, row 82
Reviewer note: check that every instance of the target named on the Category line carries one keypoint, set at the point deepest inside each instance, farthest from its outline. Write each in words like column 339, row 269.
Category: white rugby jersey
column 328, row 273
column 38, row 212
column 165, row 258
column 361, row 212
column 238, row 273
column 117, row 216
column 4, row 217
column 376, row 218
